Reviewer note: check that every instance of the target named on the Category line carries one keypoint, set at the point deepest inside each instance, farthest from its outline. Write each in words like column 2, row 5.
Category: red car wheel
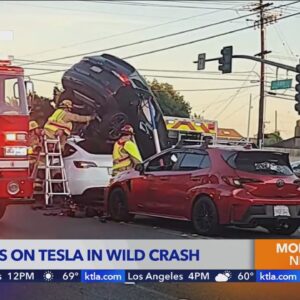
column 118, row 207
column 205, row 217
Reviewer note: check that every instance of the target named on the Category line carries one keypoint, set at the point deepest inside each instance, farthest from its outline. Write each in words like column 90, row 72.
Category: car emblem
column 280, row 183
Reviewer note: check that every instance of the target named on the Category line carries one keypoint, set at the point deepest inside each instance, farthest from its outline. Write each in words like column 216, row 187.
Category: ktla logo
column 6, row 35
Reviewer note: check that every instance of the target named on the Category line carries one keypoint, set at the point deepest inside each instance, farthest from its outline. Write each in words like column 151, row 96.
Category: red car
column 211, row 187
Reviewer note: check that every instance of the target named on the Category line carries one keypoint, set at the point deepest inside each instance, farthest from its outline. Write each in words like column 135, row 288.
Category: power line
column 78, row 10
column 233, row 97
column 174, row 46
column 47, row 81
column 239, row 108
column 218, row 89
column 139, row 42
column 124, row 33
column 193, row 78
column 166, row 36
column 200, row 40
column 159, row 5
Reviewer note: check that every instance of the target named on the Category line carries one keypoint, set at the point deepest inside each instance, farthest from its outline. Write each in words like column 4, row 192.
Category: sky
column 44, row 30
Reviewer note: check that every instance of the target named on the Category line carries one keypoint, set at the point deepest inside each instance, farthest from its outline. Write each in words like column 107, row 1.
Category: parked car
column 211, row 187
column 88, row 172
column 296, row 167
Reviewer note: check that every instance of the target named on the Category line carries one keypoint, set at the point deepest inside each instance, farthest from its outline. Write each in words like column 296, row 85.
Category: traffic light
column 297, row 87
column 225, row 62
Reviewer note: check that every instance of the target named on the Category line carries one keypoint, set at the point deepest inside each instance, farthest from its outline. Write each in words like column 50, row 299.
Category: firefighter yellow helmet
column 66, row 104
column 33, row 125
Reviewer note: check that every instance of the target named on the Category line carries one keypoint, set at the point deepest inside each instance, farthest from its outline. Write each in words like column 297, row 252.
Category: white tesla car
column 88, row 173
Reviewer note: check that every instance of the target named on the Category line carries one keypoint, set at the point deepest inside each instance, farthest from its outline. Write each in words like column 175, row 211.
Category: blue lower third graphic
column 103, row 276
column 278, row 276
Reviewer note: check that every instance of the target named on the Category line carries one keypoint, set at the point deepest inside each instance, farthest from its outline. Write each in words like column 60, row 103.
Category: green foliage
column 170, row 101
column 272, row 138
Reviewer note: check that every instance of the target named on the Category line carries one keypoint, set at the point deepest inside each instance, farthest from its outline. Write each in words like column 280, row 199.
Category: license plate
column 16, row 151
column 281, row 210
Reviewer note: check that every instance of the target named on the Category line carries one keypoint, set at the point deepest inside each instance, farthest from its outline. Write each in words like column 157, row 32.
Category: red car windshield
column 13, row 99
column 260, row 162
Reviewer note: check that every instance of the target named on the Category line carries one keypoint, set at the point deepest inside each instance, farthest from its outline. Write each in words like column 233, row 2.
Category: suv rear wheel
column 118, row 206
column 205, row 217
column 284, row 229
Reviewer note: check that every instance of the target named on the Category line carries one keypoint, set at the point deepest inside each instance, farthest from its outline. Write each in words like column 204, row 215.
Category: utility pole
column 276, row 128
column 249, row 118
column 262, row 77
column 263, row 20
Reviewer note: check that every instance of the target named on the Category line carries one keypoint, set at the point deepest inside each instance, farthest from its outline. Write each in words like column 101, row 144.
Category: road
column 21, row 222
column 24, row 223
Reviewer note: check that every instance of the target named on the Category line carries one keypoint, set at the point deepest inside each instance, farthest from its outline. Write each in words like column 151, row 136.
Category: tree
column 170, row 101
column 41, row 108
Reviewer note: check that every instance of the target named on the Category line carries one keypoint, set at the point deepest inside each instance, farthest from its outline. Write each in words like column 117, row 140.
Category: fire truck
column 16, row 184
column 190, row 130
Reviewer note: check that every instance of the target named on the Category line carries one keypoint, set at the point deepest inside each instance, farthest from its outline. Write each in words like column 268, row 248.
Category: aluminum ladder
column 54, row 165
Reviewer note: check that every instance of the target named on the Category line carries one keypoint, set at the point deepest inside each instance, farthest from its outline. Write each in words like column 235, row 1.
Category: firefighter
column 60, row 122
column 35, row 142
column 126, row 154
column 35, row 137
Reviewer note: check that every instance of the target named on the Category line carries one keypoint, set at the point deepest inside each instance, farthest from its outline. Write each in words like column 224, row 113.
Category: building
column 229, row 134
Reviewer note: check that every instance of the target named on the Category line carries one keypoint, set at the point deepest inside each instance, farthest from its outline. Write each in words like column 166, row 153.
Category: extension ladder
column 55, row 173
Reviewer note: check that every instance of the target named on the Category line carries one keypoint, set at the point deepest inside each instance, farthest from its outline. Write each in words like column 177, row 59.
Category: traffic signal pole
column 265, row 61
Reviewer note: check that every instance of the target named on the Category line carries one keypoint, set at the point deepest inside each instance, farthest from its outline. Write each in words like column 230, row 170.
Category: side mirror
column 139, row 168
column 16, row 90
column 29, row 87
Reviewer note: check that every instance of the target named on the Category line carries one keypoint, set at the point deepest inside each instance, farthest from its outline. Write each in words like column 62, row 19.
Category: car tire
column 2, row 210
column 283, row 230
column 112, row 126
column 118, row 207
column 205, row 217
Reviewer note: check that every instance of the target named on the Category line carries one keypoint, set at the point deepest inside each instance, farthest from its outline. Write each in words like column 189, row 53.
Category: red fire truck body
column 16, row 185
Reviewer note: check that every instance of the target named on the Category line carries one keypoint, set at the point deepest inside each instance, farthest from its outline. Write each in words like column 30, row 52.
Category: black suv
column 118, row 94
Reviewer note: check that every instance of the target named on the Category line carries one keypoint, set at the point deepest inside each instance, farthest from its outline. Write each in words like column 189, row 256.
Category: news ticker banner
column 154, row 276
column 134, row 261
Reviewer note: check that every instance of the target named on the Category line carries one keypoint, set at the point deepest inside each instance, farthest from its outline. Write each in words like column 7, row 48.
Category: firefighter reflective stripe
column 117, row 161
column 56, row 122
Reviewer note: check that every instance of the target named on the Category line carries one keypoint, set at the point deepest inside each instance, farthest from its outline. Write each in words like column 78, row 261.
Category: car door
column 192, row 170
column 157, row 173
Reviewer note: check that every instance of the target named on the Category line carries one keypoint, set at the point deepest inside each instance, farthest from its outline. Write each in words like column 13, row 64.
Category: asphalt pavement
column 21, row 222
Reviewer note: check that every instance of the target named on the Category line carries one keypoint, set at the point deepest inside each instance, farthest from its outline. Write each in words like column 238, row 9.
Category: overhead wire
column 170, row 47
column 193, row 78
column 237, row 110
column 199, row 40
column 124, row 33
column 158, row 5
column 233, row 97
column 165, row 36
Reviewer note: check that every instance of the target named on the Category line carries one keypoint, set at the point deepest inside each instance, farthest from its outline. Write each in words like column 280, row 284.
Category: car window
column 68, row 150
column 296, row 167
column 194, row 161
column 165, row 162
column 268, row 163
